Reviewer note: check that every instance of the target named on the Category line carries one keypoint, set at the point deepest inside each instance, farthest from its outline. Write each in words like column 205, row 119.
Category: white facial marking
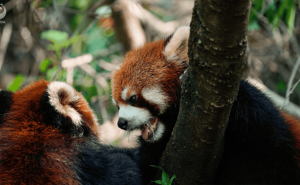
column 156, row 95
column 54, row 89
column 95, row 119
column 159, row 131
column 124, row 93
column 114, row 101
column 134, row 115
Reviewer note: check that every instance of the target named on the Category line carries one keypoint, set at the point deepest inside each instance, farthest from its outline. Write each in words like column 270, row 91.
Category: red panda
column 49, row 135
column 261, row 144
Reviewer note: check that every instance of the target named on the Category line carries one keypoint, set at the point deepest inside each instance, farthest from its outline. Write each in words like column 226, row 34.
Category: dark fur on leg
column 107, row 165
column 5, row 102
column 259, row 148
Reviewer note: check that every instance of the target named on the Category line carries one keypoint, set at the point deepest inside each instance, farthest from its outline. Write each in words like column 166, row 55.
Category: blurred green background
column 45, row 33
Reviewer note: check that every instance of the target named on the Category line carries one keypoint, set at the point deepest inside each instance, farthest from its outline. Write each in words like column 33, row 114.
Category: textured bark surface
column 217, row 46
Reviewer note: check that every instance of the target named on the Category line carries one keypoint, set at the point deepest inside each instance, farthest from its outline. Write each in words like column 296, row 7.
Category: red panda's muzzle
column 123, row 124
column 149, row 128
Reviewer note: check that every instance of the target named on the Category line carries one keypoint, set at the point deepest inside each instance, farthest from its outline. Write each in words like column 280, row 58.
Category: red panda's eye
column 132, row 99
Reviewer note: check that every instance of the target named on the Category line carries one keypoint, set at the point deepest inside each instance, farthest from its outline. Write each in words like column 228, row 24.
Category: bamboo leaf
column 15, row 84
column 290, row 18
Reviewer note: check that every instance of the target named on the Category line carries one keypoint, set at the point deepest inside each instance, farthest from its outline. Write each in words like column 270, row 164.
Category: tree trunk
column 217, row 57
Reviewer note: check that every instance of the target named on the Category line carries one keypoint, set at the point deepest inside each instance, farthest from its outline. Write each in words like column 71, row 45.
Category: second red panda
column 261, row 145
column 48, row 135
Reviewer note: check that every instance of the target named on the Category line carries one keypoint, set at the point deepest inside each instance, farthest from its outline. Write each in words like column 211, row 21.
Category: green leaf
column 281, row 86
column 281, row 10
column 117, row 141
column 80, row 4
column 253, row 26
column 15, row 84
column 271, row 10
column 74, row 39
column 46, row 3
column 257, row 6
column 61, row 2
column 76, row 20
column 171, row 180
column 103, row 10
column 157, row 181
column 54, row 36
column 44, row 65
column 165, row 178
column 290, row 17
column 298, row 87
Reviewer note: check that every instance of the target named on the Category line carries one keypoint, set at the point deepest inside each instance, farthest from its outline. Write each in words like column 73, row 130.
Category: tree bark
column 217, row 46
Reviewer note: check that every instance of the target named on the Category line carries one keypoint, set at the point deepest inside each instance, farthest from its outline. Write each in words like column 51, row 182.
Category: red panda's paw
column 64, row 108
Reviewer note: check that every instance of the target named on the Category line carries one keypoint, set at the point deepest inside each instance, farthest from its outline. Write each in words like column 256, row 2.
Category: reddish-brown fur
column 294, row 127
column 32, row 152
column 140, row 63
column 83, row 108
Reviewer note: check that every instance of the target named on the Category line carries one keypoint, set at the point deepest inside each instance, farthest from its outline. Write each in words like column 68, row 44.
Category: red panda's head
column 55, row 104
column 146, row 84
column 40, row 127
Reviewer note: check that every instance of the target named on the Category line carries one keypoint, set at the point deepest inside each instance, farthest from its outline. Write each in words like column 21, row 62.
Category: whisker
column 151, row 128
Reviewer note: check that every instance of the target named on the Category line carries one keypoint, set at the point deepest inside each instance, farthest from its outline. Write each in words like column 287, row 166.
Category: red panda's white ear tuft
column 62, row 96
column 177, row 45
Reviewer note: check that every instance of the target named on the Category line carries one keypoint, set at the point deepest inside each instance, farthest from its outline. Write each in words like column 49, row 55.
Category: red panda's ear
column 5, row 103
column 64, row 108
column 177, row 45
column 62, row 98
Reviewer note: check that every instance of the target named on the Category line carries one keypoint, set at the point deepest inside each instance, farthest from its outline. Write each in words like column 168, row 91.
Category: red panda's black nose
column 123, row 124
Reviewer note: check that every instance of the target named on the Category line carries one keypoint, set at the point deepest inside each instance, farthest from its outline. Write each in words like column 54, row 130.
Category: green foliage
column 298, row 87
column 290, row 17
column 165, row 179
column 16, row 83
column 79, row 33
column 96, row 41
column 54, row 36
column 46, row 3
column 79, row 4
column 116, row 142
column 275, row 11
column 103, row 10
column 253, row 26
column 88, row 90
column 44, row 65
column 59, row 39
column 60, row 75
column 76, row 20
column 281, row 87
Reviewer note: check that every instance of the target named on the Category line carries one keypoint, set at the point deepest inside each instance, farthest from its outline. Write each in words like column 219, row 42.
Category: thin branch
column 127, row 25
column 154, row 25
column 288, row 92
column 277, row 99
column 294, row 86
column 59, row 15
column 4, row 42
